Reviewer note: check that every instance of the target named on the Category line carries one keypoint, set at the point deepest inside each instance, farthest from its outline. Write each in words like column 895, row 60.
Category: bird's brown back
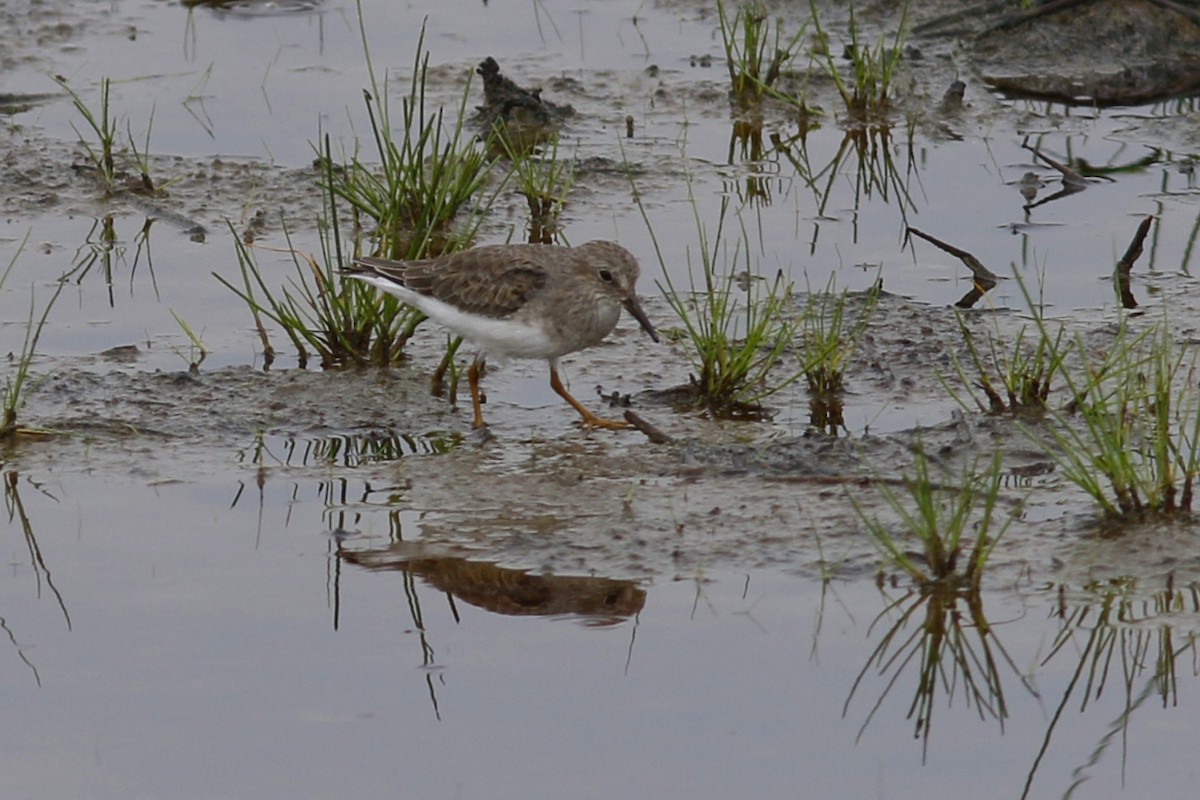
column 491, row 281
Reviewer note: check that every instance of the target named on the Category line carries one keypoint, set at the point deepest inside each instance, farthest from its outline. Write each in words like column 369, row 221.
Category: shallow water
column 298, row 584
column 232, row 653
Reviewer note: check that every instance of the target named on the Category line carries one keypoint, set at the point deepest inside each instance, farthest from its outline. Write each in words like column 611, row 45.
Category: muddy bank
column 548, row 496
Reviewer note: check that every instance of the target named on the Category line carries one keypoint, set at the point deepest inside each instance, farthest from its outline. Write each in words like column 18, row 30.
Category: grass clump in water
column 544, row 180
column 104, row 151
column 425, row 178
column 942, row 519
column 734, row 342
column 342, row 322
column 1130, row 438
column 953, row 645
column 1025, row 369
column 1129, row 434
column 867, row 94
column 103, row 126
column 17, row 382
column 756, row 54
column 828, row 340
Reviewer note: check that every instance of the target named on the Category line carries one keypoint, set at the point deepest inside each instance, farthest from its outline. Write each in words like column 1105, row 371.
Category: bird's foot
column 480, row 435
column 591, row 421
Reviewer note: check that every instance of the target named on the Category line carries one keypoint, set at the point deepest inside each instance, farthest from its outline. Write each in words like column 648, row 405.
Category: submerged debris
column 19, row 102
column 952, row 99
column 520, row 115
column 1121, row 273
column 984, row 280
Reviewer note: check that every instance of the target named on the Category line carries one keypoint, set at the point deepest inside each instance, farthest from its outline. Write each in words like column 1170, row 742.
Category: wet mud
column 197, row 198
column 1094, row 53
column 554, row 498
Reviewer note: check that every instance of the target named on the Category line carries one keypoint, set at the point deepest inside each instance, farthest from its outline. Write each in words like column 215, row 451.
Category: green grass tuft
column 867, row 93
column 1130, row 437
column 427, row 173
column 756, row 53
column 104, row 128
column 544, row 180
column 425, row 178
column 1024, row 370
column 829, row 338
column 941, row 519
column 16, row 383
column 737, row 326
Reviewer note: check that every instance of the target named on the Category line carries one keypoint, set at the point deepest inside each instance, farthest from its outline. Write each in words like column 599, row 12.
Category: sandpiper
column 519, row 301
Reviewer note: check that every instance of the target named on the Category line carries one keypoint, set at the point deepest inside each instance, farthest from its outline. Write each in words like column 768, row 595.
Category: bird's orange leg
column 589, row 418
column 476, row 403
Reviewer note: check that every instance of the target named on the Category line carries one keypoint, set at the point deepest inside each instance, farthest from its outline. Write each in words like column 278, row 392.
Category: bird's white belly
column 513, row 338
column 499, row 337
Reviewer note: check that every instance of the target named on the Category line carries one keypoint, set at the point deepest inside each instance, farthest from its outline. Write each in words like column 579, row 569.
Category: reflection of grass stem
column 955, row 649
column 102, row 247
column 16, row 512
column 1185, row 262
column 875, row 169
column 1121, row 629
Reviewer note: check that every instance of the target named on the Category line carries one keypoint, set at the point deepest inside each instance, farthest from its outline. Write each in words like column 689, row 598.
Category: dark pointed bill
column 632, row 306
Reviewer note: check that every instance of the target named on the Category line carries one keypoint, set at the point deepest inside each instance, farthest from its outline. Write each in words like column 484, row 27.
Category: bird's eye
column 605, row 276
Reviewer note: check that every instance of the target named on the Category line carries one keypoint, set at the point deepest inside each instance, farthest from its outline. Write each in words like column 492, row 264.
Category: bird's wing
column 495, row 287
column 383, row 267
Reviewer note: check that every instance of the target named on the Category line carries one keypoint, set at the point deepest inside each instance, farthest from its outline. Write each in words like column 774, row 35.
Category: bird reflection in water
column 513, row 592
